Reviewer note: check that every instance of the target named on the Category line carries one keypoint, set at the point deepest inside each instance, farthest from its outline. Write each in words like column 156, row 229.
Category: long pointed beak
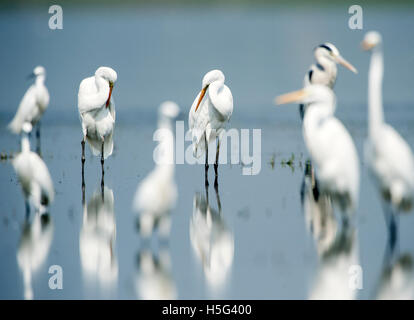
column 202, row 94
column 31, row 76
column 111, row 86
column 346, row 64
column 295, row 96
column 366, row 45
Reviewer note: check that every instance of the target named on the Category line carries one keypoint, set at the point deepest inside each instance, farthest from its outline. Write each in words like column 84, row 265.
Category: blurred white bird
column 389, row 157
column 97, row 240
column 154, row 280
column 97, row 113
column 324, row 71
column 209, row 113
column 34, row 102
column 33, row 175
column 212, row 241
column 157, row 193
column 33, row 249
column 329, row 144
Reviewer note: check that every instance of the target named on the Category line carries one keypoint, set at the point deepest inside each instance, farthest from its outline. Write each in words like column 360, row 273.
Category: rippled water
column 162, row 54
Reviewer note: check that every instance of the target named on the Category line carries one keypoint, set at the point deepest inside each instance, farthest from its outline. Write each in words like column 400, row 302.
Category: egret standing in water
column 329, row 144
column 324, row 71
column 97, row 114
column 209, row 113
column 388, row 155
column 157, row 193
column 34, row 103
column 33, row 175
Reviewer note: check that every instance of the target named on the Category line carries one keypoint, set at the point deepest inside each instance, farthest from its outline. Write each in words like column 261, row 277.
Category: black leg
column 27, row 209
column 83, row 164
column 217, row 158
column 217, row 195
column 206, row 164
column 102, row 166
column 38, row 151
column 390, row 220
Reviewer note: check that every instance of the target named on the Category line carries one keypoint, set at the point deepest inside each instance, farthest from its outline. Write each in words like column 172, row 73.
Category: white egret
column 97, row 113
column 33, row 175
column 212, row 241
column 157, row 193
column 388, row 155
column 329, row 144
column 97, row 240
column 34, row 103
column 33, row 249
column 324, row 71
column 209, row 113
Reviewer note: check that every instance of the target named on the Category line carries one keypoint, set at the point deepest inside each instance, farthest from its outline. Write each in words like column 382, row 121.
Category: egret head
column 371, row 40
column 309, row 95
column 169, row 109
column 209, row 78
column 330, row 52
column 39, row 71
column 108, row 74
column 27, row 127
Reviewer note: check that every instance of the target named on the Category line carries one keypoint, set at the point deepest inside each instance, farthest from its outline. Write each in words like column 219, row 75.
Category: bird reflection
column 397, row 277
column 318, row 211
column 153, row 280
column 211, row 240
column 336, row 243
column 336, row 261
column 34, row 247
column 97, row 240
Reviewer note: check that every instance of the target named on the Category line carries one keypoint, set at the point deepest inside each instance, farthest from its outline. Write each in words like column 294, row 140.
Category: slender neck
column 40, row 80
column 375, row 116
column 25, row 144
column 166, row 144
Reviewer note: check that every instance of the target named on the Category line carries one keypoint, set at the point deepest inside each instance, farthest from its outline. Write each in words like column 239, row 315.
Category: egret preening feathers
column 209, row 113
column 33, row 174
column 97, row 112
column 324, row 71
column 329, row 144
column 388, row 155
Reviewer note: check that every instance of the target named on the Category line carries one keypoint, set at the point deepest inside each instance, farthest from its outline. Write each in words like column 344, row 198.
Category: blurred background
column 161, row 50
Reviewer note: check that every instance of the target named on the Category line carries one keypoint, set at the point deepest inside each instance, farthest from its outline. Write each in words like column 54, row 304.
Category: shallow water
column 159, row 55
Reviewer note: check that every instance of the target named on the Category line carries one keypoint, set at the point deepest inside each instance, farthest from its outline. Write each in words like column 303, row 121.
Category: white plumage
column 33, row 174
column 97, row 110
column 324, row 72
column 388, row 155
column 34, row 102
column 329, row 144
column 210, row 111
column 157, row 193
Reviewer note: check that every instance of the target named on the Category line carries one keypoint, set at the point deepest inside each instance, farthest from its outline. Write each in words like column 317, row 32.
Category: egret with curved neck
column 388, row 155
column 209, row 113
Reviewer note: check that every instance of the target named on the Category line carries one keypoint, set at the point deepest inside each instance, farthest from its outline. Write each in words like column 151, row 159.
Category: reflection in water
column 318, row 211
column 397, row 276
column 153, row 280
column 34, row 247
column 157, row 193
column 97, row 240
column 211, row 240
column 336, row 243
